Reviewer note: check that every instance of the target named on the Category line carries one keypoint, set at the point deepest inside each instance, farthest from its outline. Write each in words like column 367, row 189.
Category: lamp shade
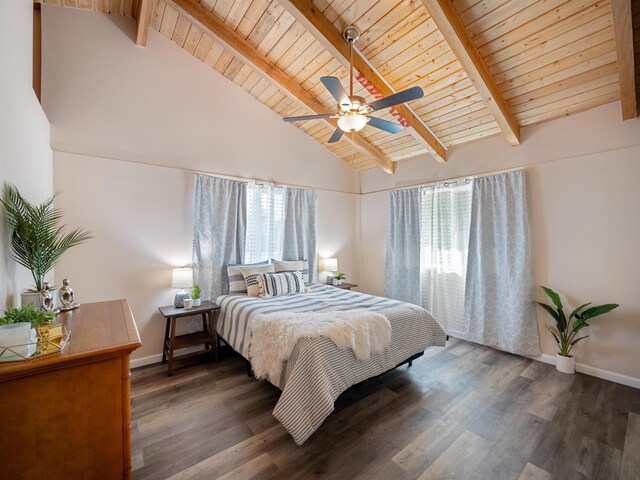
column 182, row 278
column 352, row 122
column 329, row 264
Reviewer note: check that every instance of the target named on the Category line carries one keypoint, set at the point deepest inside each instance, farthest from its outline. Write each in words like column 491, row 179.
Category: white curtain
column 265, row 222
column 402, row 268
column 218, row 232
column 300, row 240
column 444, row 239
column 499, row 299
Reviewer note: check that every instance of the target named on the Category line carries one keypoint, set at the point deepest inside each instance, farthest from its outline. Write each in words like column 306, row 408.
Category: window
column 265, row 222
column 445, row 212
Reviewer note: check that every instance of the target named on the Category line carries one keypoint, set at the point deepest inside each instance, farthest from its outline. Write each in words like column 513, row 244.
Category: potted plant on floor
column 195, row 295
column 566, row 334
column 37, row 239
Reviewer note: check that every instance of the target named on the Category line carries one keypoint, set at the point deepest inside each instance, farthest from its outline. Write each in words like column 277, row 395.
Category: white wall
column 25, row 156
column 584, row 199
column 165, row 115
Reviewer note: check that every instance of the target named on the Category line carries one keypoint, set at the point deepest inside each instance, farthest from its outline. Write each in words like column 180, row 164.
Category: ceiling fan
column 354, row 111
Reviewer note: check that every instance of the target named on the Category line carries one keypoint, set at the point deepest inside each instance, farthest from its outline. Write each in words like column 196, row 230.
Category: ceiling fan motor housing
column 351, row 34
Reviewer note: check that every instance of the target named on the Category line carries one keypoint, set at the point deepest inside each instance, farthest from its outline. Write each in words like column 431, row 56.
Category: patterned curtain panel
column 402, row 268
column 301, row 228
column 444, row 241
column 219, row 232
column 499, row 296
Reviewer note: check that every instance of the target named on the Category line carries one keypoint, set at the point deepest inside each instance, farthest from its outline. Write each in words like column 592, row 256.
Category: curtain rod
column 447, row 182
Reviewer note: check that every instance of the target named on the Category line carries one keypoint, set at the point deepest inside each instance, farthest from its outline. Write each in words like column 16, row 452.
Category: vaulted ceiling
column 487, row 67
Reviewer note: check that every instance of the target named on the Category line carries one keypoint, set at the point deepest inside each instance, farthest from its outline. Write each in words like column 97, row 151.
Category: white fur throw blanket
column 274, row 335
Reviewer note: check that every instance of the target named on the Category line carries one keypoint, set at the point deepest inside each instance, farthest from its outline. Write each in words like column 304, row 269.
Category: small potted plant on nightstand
column 338, row 277
column 567, row 328
column 195, row 295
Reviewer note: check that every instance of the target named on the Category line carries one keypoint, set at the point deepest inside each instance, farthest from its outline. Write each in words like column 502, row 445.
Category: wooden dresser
column 67, row 415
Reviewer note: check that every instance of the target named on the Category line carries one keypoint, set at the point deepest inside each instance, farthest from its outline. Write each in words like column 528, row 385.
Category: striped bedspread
column 317, row 371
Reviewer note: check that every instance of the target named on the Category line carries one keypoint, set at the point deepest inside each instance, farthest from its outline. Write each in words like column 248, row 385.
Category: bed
column 317, row 372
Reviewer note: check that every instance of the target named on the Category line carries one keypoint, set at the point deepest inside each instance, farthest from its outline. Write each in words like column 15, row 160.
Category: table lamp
column 329, row 265
column 181, row 278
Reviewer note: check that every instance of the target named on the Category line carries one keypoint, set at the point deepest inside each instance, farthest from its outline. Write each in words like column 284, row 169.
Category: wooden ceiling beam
column 246, row 52
column 143, row 20
column 312, row 19
column 454, row 32
column 623, row 31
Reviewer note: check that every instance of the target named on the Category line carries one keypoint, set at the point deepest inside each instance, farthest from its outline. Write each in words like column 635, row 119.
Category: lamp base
column 178, row 301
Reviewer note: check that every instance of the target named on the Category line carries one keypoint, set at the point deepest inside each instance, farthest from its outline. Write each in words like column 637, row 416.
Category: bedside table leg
column 206, row 329
column 172, row 344
column 165, row 342
column 214, row 334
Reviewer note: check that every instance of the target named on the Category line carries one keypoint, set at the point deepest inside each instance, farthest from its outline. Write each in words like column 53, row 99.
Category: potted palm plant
column 38, row 239
column 566, row 333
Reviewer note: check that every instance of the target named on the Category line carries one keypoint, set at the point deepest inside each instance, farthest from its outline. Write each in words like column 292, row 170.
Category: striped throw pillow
column 274, row 284
column 251, row 275
column 293, row 266
column 237, row 283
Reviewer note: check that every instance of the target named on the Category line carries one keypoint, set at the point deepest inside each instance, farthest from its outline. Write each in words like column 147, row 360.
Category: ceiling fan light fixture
column 352, row 122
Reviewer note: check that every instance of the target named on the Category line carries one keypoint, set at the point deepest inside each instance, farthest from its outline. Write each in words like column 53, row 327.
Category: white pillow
column 237, row 283
column 274, row 284
column 294, row 266
column 251, row 275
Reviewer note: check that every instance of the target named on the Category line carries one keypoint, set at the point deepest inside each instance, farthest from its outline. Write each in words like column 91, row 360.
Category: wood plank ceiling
column 524, row 62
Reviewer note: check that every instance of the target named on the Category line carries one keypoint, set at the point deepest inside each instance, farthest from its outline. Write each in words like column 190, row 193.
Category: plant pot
column 29, row 296
column 197, row 302
column 337, row 282
column 565, row 364
column 17, row 336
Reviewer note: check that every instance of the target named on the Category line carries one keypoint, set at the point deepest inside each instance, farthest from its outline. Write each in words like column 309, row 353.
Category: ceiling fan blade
column 337, row 135
column 306, row 117
column 385, row 125
column 400, row 97
column 336, row 90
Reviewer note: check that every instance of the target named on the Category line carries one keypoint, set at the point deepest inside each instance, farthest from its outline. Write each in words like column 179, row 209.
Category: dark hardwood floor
column 460, row 412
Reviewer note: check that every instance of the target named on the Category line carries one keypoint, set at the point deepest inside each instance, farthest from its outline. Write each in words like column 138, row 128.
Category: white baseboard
column 157, row 358
column 141, row 362
column 594, row 372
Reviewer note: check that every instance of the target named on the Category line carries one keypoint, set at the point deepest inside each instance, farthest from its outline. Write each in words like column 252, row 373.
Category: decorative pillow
column 274, row 284
column 237, row 284
column 251, row 275
column 293, row 266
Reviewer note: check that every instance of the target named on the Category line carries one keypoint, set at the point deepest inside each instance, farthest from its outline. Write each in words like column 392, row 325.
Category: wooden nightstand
column 345, row 286
column 206, row 336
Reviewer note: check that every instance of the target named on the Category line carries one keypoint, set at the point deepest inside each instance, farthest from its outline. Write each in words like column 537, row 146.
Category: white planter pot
column 565, row 364
column 197, row 302
column 17, row 336
column 28, row 296
column 337, row 282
